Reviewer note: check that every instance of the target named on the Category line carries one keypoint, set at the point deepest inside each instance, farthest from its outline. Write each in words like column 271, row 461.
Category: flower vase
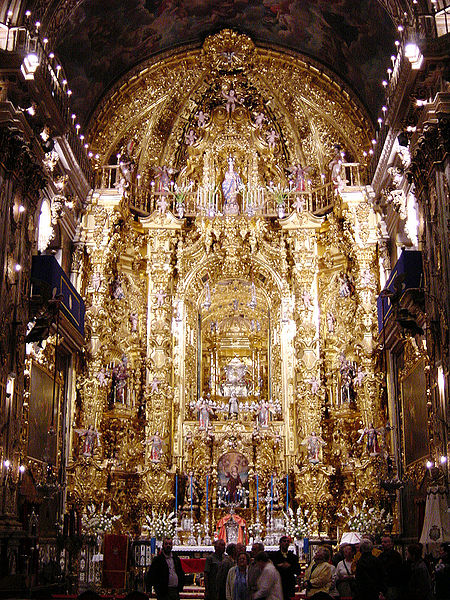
column 180, row 210
column 281, row 210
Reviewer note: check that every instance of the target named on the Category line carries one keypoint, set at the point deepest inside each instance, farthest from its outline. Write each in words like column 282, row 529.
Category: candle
column 191, row 492
column 287, row 492
column 271, row 493
column 207, row 493
column 257, row 494
column 176, row 493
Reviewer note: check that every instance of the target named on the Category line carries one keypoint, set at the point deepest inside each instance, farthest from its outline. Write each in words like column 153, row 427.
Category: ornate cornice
column 18, row 159
column 432, row 149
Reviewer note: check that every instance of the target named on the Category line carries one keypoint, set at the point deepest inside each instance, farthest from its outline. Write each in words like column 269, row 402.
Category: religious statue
column 156, row 448
column 235, row 372
column 191, row 491
column 190, row 138
column 233, row 406
column 346, row 285
column 102, row 377
column 204, row 411
column 313, row 445
column 119, row 378
column 231, row 185
column 207, row 303
column 347, row 372
column 299, row 173
column 263, row 414
column 372, row 445
column 259, row 120
column 335, row 167
column 134, row 321
column 163, row 175
column 90, row 440
column 117, row 289
column 96, row 281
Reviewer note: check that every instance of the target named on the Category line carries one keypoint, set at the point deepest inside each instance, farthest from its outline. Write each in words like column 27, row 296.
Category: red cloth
column 221, row 532
column 193, row 565
column 115, row 558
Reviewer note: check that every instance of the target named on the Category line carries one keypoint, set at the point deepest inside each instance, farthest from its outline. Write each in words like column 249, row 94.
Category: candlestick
column 207, row 493
column 176, row 493
column 271, row 493
column 191, row 495
column 257, row 495
column 287, row 493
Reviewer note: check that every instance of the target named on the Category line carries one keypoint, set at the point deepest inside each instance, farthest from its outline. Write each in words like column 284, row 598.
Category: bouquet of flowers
column 97, row 520
column 161, row 525
column 301, row 525
column 255, row 530
column 367, row 519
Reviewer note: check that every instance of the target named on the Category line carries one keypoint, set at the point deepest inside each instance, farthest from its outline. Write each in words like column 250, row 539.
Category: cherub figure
column 190, row 138
column 162, row 205
column 160, row 298
column 232, row 100
column 315, row 384
column 102, row 378
column 202, row 119
column 259, row 120
column 272, row 138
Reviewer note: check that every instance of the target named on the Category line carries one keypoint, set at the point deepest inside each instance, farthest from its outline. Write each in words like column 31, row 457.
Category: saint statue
column 233, row 406
column 156, row 447
column 231, row 185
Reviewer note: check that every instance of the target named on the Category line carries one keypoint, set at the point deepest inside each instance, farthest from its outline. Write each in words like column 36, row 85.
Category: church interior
column 224, row 277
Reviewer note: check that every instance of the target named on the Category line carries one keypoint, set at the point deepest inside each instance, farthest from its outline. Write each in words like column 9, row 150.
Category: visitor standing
column 418, row 586
column 165, row 574
column 268, row 586
column 217, row 566
column 253, row 568
column 318, row 575
column 393, row 568
column 237, row 579
column 287, row 565
column 369, row 574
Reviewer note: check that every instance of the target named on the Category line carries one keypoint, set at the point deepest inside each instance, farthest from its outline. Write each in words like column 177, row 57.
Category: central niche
column 235, row 351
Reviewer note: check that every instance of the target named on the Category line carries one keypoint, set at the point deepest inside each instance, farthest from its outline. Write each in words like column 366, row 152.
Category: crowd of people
column 354, row 572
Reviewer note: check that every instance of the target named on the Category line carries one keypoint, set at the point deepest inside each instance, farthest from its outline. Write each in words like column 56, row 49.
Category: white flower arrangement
column 161, row 525
column 371, row 520
column 255, row 530
column 301, row 525
column 97, row 520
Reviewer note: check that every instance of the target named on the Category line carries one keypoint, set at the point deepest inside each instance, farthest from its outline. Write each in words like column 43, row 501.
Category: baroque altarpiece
column 230, row 271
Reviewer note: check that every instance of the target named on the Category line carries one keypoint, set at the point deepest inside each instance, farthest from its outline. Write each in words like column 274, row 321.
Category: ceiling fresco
column 98, row 42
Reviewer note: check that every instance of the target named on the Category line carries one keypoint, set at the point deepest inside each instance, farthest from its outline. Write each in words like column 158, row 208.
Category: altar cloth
column 193, row 565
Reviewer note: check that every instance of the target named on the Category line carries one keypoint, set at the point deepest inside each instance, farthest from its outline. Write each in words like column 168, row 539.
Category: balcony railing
column 270, row 201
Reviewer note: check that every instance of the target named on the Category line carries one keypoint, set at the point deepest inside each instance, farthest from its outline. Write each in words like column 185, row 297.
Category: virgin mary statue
column 230, row 188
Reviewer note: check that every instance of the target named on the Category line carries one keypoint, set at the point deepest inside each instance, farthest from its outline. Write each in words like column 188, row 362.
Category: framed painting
column 42, row 440
column 232, row 470
column 414, row 409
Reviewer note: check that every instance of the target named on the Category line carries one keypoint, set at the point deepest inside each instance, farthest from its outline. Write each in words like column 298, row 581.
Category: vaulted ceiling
column 98, row 42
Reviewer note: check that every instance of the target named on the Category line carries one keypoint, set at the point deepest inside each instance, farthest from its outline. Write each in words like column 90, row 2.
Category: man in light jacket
column 268, row 586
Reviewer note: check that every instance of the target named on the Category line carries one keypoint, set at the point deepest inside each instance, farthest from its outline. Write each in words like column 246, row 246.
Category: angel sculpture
column 372, row 445
column 313, row 445
column 91, row 439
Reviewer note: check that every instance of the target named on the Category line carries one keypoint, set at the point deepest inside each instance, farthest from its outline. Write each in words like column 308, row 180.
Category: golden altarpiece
column 231, row 267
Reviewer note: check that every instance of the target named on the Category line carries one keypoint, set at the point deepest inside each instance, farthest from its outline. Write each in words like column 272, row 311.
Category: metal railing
column 262, row 201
